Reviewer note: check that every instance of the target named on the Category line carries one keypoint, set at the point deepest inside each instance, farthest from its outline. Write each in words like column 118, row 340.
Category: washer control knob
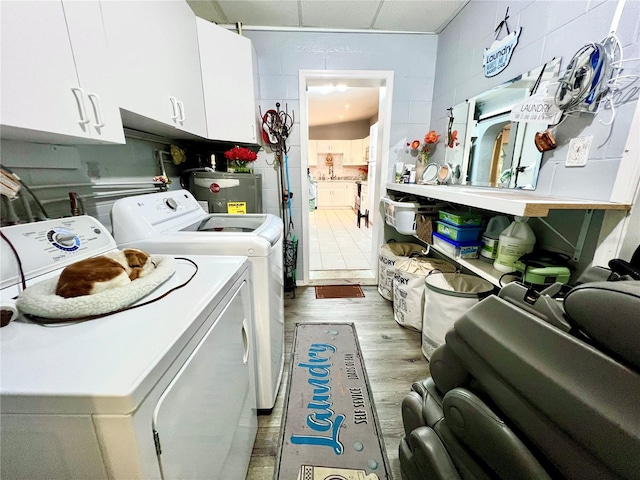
column 171, row 203
column 65, row 239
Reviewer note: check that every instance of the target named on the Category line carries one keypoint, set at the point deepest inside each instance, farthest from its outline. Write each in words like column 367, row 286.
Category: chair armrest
column 431, row 456
column 485, row 434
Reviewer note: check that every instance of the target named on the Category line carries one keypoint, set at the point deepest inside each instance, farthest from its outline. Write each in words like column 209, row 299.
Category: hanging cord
column 23, row 281
column 33, row 196
column 55, row 322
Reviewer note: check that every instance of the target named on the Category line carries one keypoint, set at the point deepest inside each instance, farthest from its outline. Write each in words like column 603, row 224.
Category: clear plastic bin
column 456, row 249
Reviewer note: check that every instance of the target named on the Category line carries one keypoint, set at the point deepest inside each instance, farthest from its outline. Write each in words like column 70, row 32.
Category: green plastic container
column 461, row 219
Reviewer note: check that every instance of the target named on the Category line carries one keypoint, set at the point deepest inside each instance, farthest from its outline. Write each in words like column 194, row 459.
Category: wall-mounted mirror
column 491, row 150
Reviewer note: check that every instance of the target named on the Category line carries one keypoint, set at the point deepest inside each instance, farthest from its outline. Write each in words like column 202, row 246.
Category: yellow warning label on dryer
column 236, row 207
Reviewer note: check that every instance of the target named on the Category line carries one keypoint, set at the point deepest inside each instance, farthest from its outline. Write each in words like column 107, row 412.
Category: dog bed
column 41, row 300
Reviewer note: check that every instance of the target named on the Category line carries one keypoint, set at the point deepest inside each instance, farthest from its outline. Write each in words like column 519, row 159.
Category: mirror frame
column 522, row 133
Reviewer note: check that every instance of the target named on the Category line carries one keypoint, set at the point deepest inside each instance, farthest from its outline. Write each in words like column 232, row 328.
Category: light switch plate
column 578, row 151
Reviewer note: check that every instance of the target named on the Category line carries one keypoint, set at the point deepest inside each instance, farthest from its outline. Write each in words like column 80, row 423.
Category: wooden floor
column 392, row 356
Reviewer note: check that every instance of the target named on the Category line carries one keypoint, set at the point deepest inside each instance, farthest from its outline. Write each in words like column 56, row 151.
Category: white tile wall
column 281, row 55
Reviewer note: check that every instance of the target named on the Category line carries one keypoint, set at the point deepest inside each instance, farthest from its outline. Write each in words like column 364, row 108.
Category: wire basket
column 290, row 261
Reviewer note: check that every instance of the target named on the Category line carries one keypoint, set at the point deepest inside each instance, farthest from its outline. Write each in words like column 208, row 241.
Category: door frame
column 352, row 78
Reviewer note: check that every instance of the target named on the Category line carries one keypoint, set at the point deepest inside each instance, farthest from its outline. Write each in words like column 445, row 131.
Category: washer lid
column 109, row 365
column 243, row 228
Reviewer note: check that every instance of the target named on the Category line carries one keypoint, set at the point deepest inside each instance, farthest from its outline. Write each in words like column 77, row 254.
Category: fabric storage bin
column 402, row 215
column 408, row 288
column 460, row 218
column 446, row 297
column 456, row 249
column 459, row 234
column 424, row 227
column 387, row 256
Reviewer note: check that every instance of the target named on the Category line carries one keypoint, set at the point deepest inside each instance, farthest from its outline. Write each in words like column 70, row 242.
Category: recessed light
column 347, row 106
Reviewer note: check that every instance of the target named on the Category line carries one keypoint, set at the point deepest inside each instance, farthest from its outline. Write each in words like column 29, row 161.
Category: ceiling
column 427, row 16
column 352, row 104
column 423, row 16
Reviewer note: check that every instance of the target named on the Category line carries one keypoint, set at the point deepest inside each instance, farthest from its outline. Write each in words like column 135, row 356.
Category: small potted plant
column 239, row 158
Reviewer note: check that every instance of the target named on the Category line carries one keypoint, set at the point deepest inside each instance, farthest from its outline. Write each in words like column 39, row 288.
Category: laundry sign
column 498, row 55
column 538, row 108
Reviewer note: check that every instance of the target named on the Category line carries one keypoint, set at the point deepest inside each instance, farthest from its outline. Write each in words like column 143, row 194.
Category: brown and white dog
column 97, row 274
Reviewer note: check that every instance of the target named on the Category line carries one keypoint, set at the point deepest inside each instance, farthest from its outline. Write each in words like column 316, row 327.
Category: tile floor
column 336, row 243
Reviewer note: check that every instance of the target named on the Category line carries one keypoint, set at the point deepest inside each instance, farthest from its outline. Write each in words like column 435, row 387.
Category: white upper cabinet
column 226, row 60
column 334, row 146
column 313, row 153
column 155, row 47
column 356, row 156
column 94, row 65
column 52, row 88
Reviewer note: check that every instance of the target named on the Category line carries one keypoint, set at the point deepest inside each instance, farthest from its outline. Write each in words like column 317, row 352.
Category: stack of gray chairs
column 528, row 387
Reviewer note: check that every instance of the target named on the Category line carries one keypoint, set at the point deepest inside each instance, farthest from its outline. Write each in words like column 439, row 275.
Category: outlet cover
column 578, row 151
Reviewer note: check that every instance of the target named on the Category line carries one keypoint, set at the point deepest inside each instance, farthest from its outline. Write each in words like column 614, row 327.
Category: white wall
column 549, row 29
column 64, row 169
column 281, row 55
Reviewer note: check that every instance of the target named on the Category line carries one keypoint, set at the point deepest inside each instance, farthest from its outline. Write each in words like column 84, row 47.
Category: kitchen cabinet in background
column 157, row 64
column 313, row 153
column 356, row 155
column 335, row 194
column 226, row 60
column 334, row 146
column 56, row 84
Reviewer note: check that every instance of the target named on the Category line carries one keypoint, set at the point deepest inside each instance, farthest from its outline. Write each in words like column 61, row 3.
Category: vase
column 239, row 166
column 421, row 163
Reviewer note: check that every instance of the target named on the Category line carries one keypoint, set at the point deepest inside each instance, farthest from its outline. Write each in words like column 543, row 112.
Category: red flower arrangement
column 238, row 158
column 240, row 153
column 430, row 138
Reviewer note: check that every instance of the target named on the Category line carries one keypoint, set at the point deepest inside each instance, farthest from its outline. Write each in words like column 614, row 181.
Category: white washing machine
column 174, row 223
column 162, row 391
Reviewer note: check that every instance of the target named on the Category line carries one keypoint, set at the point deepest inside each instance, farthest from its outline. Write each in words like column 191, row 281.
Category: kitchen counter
column 336, row 181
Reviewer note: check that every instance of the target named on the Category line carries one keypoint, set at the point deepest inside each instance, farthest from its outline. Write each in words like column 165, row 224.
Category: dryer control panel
column 52, row 244
column 145, row 216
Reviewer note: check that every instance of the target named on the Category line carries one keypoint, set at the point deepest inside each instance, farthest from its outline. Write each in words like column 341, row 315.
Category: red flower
column 241, row 154
column 431, row 137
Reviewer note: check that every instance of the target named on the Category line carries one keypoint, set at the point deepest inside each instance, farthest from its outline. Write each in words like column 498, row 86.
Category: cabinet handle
column 245, row 342
column 174, row 108
column 181, row 118
column 97, row 109
column 79, row 94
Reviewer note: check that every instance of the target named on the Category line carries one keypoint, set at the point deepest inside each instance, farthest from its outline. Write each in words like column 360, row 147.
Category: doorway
column 343, row 220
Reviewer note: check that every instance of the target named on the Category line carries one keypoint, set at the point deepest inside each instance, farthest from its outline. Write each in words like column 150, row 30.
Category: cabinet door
column 355, row 153
column 340, row 196
column 334, row 146
column 155, row 45
column 228, row 83
column 324, row 146
column 94, row 65
column 313, row 153
column 324, row 196
column 38, row 73
column 341, row 146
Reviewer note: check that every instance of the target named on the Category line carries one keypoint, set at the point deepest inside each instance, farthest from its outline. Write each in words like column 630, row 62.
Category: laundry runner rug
column 330, row 429
column 339, row 291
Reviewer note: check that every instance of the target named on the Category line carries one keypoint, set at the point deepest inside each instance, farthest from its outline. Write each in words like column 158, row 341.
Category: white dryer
column 174, row 223
column 165, row 390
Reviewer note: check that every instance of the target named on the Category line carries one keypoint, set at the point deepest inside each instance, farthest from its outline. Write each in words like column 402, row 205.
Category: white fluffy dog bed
column 41, row 300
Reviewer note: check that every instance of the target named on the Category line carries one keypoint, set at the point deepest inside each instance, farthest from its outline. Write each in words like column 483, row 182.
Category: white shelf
column 484, row 269
column 511, row 202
